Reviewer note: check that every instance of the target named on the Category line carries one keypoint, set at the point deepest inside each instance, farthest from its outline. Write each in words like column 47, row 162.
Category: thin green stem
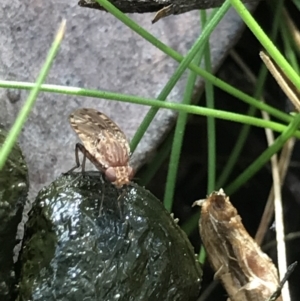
column 196, row 48
column 266, row 42
column 264, row 157
column 190, row 225
column 297, row 4
column 145, row 101
column 288, row 46
column 243, row 135
column 211, row 128
column 177, row 141
column 176, row 56
column 211, row 131
column 147, row 174
column 202, row 255
column 25, row 110
column 160, row 104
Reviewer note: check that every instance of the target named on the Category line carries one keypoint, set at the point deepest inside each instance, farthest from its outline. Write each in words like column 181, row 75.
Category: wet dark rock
column 131, row 249
column 13, row 194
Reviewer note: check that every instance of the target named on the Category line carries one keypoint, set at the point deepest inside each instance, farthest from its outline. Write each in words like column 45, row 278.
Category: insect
column 104, row 144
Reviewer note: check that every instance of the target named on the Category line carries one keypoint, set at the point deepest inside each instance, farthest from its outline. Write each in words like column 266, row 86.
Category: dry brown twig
column 163, row 8
column 279, row 169
column 293, row 94
column 283, row 163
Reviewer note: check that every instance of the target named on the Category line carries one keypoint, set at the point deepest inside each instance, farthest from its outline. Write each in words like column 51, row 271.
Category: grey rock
column 98, row 52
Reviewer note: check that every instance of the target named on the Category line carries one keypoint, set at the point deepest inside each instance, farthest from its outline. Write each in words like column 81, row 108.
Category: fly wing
column 105, row 123
column 93, row 128
column 83, row 126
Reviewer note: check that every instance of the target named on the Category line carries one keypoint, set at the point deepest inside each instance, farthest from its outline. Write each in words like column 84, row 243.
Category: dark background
column 251, row 197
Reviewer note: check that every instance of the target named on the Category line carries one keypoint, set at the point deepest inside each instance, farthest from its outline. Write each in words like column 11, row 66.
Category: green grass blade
column 264, row 157
column 196, row 48
column 289, row 50
column 176, row 56
column 262, row 75
column 145, row 176
column 211, row 132
column 266, row 42
column 190, row 225
column 146, row 101
column 177, row 141
column 277, row 127
column 211, row 127
column 296, row 3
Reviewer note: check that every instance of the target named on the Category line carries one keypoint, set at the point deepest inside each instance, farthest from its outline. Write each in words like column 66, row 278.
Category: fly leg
column 102, row 196
column 120, row 197
column 79, row 147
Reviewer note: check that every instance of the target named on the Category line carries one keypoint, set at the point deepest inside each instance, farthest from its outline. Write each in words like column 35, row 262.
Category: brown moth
column 104, row 144
column 245, row 271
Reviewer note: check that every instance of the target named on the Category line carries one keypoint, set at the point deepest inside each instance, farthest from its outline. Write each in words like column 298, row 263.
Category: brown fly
column 104, row 144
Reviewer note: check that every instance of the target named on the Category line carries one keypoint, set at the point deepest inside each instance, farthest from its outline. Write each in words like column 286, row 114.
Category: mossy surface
column 13, row 195
column 131, row 249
